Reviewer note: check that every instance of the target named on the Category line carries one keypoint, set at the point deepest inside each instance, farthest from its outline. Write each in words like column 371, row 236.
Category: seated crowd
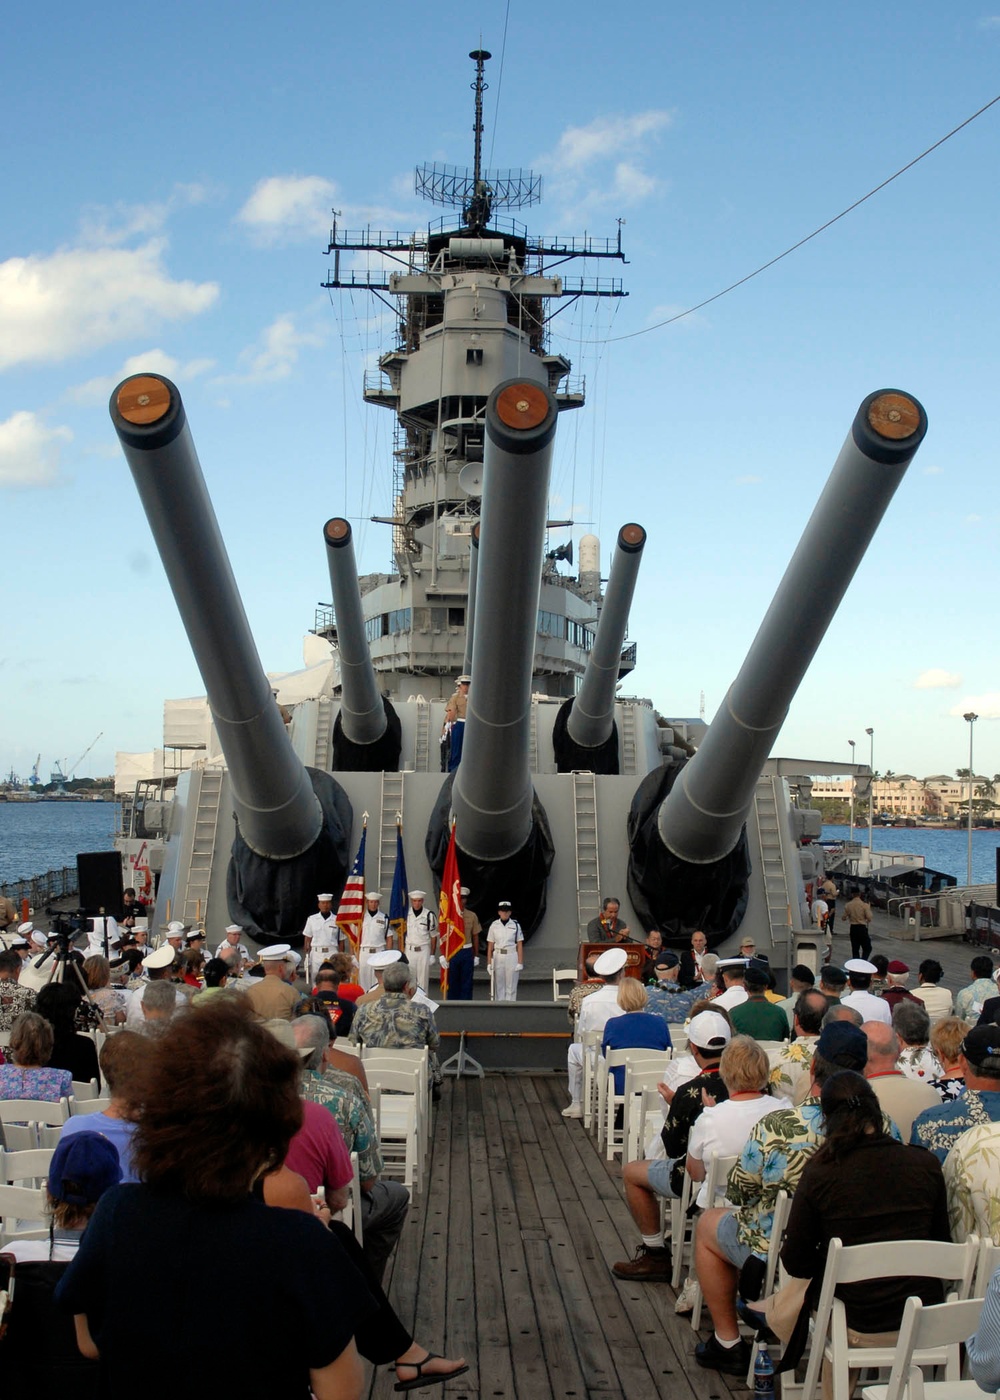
column 873, row 1105
column 226, row 1094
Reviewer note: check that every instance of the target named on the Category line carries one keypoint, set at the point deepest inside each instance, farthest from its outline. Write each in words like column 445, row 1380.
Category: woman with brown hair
column 109, row 1001
column 29, row 1075
column 220, row 1106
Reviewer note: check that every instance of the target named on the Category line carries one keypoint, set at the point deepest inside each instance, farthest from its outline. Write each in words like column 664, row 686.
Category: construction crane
column 72, row 771
column 33, row 780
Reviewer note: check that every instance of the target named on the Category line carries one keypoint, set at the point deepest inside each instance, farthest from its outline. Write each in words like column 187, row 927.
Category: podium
column 635, row 967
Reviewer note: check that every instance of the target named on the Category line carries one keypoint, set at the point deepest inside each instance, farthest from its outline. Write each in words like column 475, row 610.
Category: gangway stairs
column 194, row 906
column 391, row 808
column 422, row 746
column 772, row 861
column 588, row 874
column 324, row 733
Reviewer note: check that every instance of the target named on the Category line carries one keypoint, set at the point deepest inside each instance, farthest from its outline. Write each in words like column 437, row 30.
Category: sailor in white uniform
column 504, row 953
column 375, row 935
column 322, row 936
column 421, row 938
column 230, row 946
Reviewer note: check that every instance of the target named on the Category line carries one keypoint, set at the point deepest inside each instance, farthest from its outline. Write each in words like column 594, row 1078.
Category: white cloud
column 275, row 354
column 933, row 471
column 97, row 391
column 985, row 706
column 606, row 136
column 937, row 679
column 104, row 225
column 286, row 207
column 29, row 451
column 79, row 299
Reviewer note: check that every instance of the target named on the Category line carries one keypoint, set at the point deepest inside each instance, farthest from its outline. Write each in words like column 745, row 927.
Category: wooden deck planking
column 506, row 1259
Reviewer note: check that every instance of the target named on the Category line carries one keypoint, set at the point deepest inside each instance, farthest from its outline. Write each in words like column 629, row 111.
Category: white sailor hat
column 417, row 894
column 860, row 965
column 610, row 962
column 18, row 941
column 175, row 926
column 40, row 939
column 234, row 928
column 163, row 957
column 325, row 898
column 464, row 890
column 276, row 952
column 373, row 894
column 384, row 958
column 25, row 928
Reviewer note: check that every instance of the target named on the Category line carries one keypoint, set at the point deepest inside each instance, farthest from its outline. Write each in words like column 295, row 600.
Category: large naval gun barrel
column 285, row 814
column 585, row 734
column 700, row 823
column 500, row 828
column 470, row 606
column 367, row 732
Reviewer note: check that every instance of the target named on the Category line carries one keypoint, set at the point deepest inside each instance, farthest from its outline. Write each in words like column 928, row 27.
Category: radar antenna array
column 478, row 192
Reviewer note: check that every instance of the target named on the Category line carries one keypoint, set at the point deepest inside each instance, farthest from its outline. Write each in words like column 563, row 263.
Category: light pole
column 853, row 783
column 970, row 718
column 871, row 795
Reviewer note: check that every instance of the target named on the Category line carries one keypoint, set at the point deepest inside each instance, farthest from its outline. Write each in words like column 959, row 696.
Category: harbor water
column 40, row 836
column 944, row 849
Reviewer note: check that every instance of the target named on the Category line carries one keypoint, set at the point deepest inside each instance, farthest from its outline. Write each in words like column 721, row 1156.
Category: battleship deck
column 505, row 1259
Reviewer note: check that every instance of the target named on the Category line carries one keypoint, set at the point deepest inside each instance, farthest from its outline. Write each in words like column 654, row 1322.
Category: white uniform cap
column 163, row 957
column 275, row 952
column 732, row 962
column 464, row 680
column 175, row 926
column 18, row 942
column 611, row 962
column 373, row 894
column 385, row 958
column 234, row 928
column 26, row 928
column 293, row 957
column 39, row 939
column 326, row 897
column 709, row 1031
column 860, row 965
column 464, row 891
column 417, row 894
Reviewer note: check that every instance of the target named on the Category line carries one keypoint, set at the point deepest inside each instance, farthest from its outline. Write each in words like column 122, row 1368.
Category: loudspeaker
column 99, row 876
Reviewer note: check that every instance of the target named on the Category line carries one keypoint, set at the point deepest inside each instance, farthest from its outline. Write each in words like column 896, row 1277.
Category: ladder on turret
column 627, row 736
column 324, row 733
column 533, row 739
column 588, row 874
column 391, row 804
column 194, row 906
column 422, row 743
column 772, row 861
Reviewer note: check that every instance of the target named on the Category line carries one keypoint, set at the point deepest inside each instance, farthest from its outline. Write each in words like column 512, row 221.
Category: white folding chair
column 27, row 1168
column 650, row 1109
column 926, row 1329
column 640, row 1075
column 379, row 1057
column 398, row 1122
column 954, row 1263
column 560, row 975
column 716, row 1181
column 779, row 1220
column 85, row 1089
column 682, row 1230
column 23, row 1211
column 22, row 1121
column 986, row 1266
column 88, row 1106
column 351, row 1214
column 591, row 1044
column 678, row 1039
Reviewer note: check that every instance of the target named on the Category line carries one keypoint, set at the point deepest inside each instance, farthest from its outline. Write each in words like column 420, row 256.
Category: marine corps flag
column 399, row 899
column 451, row 918
column 351, row 911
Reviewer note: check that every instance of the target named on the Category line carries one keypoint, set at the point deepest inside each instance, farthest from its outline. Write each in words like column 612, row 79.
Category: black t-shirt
column 145, row 1243
column 685, row 1107
column 78, row 1054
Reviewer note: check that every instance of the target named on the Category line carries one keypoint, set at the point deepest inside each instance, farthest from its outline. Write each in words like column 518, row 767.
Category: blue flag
column 399, row 904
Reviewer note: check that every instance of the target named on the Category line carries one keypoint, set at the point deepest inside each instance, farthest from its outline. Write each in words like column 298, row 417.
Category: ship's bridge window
column 579, row 635
column 551, row 625
column 399, row 621
column 377, row 627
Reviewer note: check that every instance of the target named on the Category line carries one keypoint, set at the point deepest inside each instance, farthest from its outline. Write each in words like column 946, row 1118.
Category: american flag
column 351, row 911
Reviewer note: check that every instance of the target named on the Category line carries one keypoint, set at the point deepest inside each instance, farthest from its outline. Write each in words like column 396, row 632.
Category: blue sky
column 169, row 178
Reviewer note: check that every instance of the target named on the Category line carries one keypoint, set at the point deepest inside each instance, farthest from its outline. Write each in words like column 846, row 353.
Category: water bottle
column 763, row 1373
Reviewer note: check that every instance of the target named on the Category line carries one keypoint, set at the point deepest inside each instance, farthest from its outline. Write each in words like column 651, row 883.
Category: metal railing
column 40, row 890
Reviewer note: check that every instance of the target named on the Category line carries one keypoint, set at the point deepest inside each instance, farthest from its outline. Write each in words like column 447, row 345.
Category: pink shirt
column 318, row 1151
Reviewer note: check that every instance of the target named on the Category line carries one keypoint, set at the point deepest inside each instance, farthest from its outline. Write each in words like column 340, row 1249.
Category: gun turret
column 691, row 871
column 585, row 734
column 293, row 823
column 501, row 830
column 470, row 607
column 367, row 735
